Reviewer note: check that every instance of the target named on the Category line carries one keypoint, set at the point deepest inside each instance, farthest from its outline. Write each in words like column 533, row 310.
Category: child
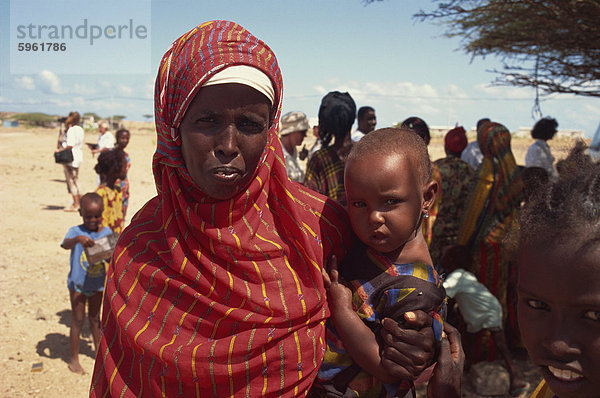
column 122, row 142
column 112, row 165
column 85, row 281
column 559, row 282
column 389, row 190
column 479, row 308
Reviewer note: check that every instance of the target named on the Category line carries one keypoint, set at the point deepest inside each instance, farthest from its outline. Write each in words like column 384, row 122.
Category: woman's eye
column 593, row 315
column 358, row 204
column 251, row 126
column 538, row 305
column 393, row 201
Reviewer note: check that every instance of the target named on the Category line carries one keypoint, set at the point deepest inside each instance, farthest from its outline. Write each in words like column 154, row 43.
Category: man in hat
column 294, row 126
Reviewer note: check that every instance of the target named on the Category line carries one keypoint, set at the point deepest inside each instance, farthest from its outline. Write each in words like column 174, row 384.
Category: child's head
column 389, row 188
column 122, row 137
column 559, row 281
column 90, row 209
column 419, row 126
column 336, row 116
column 112, row 165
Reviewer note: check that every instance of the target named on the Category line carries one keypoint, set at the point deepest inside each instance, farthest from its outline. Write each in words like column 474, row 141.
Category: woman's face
column 223, row 134
column 559, row 317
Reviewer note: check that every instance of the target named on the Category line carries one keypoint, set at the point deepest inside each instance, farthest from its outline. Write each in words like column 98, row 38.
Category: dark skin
column 91, row 212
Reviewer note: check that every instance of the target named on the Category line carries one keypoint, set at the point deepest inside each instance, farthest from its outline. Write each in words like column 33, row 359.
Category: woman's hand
column 338, row 295
column 409, row 349
column 447, row 374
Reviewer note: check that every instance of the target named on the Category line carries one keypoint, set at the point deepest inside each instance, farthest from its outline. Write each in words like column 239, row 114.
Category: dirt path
column 34, row 303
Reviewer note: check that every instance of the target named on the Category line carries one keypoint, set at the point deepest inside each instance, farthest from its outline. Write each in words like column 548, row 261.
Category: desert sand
column 34, row 301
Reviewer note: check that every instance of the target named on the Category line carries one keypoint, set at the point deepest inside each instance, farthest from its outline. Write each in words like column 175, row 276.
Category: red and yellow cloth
column 217, row 298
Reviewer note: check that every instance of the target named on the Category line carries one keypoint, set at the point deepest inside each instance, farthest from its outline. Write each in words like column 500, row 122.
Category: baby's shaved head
column 398, row 141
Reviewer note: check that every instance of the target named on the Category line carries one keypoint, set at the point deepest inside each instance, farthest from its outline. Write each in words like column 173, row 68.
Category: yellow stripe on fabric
column 153, row 309
column 211, row 367
column 239, row 245
column 281, row 368
column 246, row 363
column 114, row 373
column 299, row 362
column 264, row 292
column 162, row 386
column 270, row 241
column 160, row 353
column 306, row 256
column 265, row 372
column 298, row 288
column 133, row 285
column 216, row 327
column 183, row 263
column 281, row 293
column 229, row 371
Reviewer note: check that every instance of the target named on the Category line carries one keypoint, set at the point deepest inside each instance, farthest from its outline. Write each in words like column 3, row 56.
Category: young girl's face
column 123, row 140
column 559, row 317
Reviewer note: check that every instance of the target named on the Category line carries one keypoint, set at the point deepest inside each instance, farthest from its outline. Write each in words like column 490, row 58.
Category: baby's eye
column 393, row 201
column 358, row 204
column 593, row 315
column 538, row 305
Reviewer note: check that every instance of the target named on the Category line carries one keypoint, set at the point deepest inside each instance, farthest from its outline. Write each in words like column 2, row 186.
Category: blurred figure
column 366, row 122
column 538, row 154
column 419, row 126
column 123, row 137
column 73, row 139
column 472, row 154
column 325, row 169
column 106, row 139
column 294, row 126
column 455, row 179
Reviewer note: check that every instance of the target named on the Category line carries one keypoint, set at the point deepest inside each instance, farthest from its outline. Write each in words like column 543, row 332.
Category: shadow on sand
column 56, row 345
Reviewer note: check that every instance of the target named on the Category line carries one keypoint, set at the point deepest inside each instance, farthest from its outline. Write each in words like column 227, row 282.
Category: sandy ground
column 34, row 302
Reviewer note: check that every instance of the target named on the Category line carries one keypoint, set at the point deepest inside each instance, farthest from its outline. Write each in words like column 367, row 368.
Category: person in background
column 74, row 140
column 366, row 120
column 559, row 282
column 111, row 166
column 538, row 154
column 123, row 136
column 325, row 169
column 419, row 126
column 479, row 309
column 85, row 281
column 472, row 154
column 490, row 215
column 106, row 139
column 294, row 126
column 455, row 179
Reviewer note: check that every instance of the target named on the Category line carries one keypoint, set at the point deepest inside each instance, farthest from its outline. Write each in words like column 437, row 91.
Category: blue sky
column 377, row 52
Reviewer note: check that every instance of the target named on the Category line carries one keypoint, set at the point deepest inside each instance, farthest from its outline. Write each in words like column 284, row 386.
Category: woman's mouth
column 564, row 374
column 227, row 174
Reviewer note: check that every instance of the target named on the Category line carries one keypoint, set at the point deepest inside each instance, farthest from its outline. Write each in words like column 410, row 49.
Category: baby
column 559, row 282
column 388, row 272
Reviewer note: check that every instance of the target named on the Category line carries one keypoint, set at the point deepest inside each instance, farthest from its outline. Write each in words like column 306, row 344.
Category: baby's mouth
column 564, row 374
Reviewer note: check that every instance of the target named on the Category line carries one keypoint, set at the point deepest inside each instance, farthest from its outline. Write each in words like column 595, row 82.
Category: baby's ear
column 430, row 191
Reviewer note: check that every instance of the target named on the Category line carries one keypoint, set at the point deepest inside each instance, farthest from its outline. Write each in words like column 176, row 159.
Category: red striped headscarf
column 217, row 298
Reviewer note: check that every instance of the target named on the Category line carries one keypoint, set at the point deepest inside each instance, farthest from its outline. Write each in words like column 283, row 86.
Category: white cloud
column 83, row 89
column 25, row 82
column 49, row 82
column 506, row 92
column 124, row 90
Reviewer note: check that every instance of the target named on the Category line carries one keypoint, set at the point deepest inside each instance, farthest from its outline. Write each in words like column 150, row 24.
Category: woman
column 74, row 140
column 538, row 154
column 215, row 287
column 491, row 210
column 325, row 169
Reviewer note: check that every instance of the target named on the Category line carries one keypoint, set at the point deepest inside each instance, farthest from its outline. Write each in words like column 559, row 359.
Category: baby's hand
column 338, row 294
column 85, row 241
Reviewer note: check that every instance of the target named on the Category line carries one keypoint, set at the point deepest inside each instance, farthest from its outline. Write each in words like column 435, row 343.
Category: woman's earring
column 426, row 215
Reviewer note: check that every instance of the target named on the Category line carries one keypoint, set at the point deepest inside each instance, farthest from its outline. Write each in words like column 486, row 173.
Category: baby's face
column 91, row 212
column 385, row 201
column 559, row 317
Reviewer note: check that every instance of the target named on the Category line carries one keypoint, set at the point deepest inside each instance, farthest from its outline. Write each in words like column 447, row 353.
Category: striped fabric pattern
column 325, row 174
column 217, row 298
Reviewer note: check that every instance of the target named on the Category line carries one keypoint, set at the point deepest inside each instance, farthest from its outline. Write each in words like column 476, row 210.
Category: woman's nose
column 227, row 145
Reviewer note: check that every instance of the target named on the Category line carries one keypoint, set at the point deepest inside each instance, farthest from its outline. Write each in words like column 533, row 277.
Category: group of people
column 239, row 280
column 102, row 212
